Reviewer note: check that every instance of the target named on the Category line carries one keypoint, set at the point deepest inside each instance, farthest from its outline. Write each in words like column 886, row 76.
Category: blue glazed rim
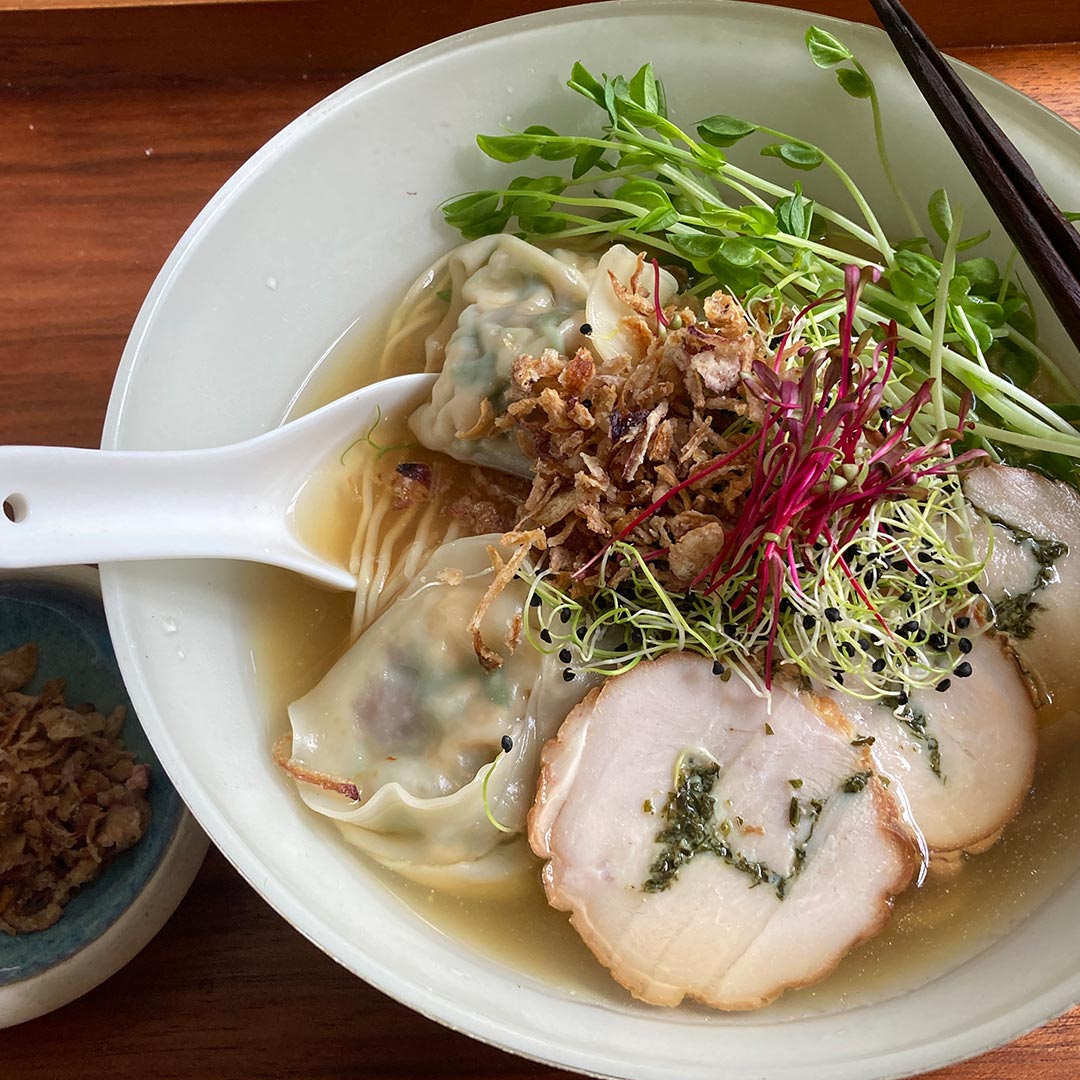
column 67, row 622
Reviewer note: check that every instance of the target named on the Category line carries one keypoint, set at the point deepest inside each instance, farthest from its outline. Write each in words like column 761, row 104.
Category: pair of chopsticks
column 1048, row 243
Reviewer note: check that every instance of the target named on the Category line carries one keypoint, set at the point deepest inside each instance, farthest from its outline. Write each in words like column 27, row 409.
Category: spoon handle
column 63, row 506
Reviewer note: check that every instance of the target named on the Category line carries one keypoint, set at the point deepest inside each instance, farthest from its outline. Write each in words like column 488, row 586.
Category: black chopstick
column 1048, row 243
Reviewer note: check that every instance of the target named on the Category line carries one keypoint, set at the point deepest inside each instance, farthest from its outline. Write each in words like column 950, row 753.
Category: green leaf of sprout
column 959, row 287
column 647, row 194
column 909, row 289
column 472, row 209
column 974, row 332
column 643, row 89
column 533, row 206
column 584, row 83
column 919, row 265
column 941, row 219
column 550, row 145
column 981, row 271
column 507, row 148
column 759, row 221
column 724, row 130
column 973, row 241
column 739, row 252
column 988, row 311
column 913, row 243
column 826, row 50
column 694, row 244
column 794, row 214
column 854, row 83
column 588, row 157
column 797, row 155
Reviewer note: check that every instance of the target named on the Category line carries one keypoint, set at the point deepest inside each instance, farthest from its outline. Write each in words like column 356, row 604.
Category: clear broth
column 301, row 630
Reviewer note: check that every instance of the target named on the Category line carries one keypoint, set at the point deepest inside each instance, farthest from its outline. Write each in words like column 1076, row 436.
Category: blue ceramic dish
column 61, row 612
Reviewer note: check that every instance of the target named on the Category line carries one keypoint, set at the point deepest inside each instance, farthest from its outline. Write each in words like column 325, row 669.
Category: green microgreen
column 368, row 439
column 644, row 180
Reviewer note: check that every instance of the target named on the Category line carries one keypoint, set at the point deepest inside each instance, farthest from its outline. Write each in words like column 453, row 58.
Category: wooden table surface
column 103, row 166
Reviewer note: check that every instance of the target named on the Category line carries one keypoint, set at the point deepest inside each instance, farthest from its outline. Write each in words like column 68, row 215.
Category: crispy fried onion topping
column 505, row 571
column 608, row 437
column 71, row 796
column 283, row 758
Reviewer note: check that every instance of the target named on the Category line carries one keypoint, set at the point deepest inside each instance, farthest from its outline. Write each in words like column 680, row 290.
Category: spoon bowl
column 64, row 505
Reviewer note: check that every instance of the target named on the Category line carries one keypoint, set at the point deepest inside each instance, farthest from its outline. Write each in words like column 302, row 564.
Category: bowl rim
column 947, row 1049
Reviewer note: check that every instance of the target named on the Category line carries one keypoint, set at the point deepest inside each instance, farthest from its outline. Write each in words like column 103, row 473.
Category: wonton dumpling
column 396, row 740
column 607, row 314
column 513, row 299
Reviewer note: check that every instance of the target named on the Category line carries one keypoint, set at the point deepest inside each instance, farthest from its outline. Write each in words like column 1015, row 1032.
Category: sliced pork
column 709, row 845
column 960, row 761
column 1033, row 577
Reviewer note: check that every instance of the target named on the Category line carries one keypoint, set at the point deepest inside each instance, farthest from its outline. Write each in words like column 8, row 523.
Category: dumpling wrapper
column 611, row 318
column 411, row 719
column 514, row 299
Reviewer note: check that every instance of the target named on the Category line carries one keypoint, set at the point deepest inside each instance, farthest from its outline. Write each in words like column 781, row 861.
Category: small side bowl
column 109, row 920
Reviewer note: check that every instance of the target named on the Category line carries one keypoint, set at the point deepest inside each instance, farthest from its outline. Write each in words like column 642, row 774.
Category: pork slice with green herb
column 960, row 757
column 1033, row 576
column 711, row 844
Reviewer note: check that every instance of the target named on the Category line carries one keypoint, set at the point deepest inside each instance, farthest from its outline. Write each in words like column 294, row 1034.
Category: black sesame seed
column 622, row 647
column 808, row 622
column 937, row 641
column 921, row 579
column 899, row 564
column 832, row 614
column 535, row 600
column 568, row 675
column 964, row 644
column 849, row 649
column 580, row 632
column 910, row 653
column 717, row 668
column 864, row 643
column 870, row 577
column 878, row 664
column 943, row 685
column 586, row 329
column 730, row 629
column 925, row 556
column 902, row 698
column 907, row 596
column 963, row 622
column 507, row 743
column 909, row 629
column 545, row 636
column 839, row 679
column 564, row 615
column 885, row 412
column 565, row 656
column 962, row 670
column 973, row 588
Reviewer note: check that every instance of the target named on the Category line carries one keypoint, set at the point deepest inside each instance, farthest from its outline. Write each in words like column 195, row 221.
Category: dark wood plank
column 315, row 38
column 228, row 990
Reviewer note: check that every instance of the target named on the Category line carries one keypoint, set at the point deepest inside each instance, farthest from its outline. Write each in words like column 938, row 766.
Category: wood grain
column 317, row 38
column 96, row 185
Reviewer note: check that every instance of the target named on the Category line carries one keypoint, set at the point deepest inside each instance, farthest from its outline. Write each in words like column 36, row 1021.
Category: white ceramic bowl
column 338, row 211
